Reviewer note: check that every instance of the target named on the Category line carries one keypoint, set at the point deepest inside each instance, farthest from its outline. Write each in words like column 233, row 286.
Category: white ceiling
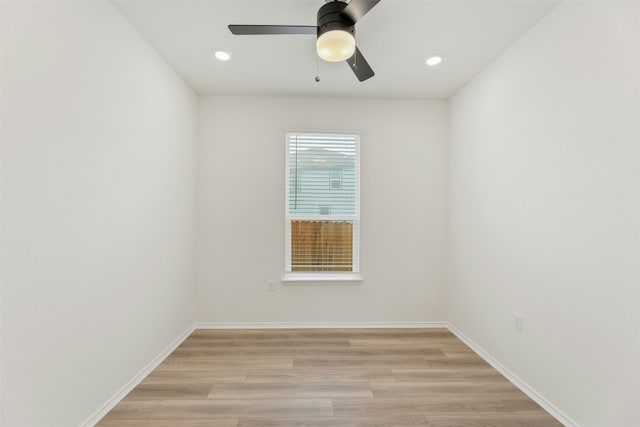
column 395, row 37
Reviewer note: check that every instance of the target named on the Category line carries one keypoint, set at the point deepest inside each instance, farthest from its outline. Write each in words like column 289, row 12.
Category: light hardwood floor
column 325, row 377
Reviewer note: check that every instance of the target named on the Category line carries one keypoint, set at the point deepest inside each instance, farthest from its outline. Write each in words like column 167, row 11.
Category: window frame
column 322, row 276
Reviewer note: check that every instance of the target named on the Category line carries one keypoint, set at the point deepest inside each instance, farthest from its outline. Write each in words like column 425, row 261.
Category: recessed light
column 434, row 60
column 222, row 56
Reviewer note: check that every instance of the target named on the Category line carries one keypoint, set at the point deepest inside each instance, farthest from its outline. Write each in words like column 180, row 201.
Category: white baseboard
column 317, row 325
column 116, row 398
column 523, row 386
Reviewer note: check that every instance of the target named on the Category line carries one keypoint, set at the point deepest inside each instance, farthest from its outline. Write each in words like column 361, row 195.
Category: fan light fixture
column 336, row 46
column 335, row 32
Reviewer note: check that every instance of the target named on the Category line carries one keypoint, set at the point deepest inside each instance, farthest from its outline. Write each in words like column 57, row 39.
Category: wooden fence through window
column 321, row 245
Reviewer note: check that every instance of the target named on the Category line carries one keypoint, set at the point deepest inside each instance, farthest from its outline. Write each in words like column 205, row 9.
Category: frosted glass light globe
column 336, row 46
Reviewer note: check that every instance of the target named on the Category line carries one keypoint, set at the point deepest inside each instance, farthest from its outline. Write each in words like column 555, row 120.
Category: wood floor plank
column 363, row 363
column 426, row 405
column 249, row 352
column 212, row 409
column 442, row 389
column 203, row 363
column 169, row 392
column 319, row 375
column 493, row 420
column 425, row 343
column 170, row 423
column 269, row 343
column 455, row 362
column 473, row 373
column 196, row 376
column 290, row 391
column 123, row 423
column 334, row 422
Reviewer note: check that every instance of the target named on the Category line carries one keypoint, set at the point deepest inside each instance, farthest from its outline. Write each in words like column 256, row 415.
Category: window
column 322, row 206
column 335, row 179
column 324, row 210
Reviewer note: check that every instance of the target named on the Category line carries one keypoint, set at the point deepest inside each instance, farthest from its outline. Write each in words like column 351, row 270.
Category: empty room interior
column 290, row 213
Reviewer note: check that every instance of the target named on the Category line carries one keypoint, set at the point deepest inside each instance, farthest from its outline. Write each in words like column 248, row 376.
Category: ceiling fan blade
column 360, row 66
column 244, row 30
column 356, row 9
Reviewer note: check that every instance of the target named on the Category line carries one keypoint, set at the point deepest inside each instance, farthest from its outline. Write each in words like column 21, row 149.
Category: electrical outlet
column 517, row 322
column 270, row 288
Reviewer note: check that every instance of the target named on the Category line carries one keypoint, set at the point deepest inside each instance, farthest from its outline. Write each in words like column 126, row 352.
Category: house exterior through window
column 322, row 206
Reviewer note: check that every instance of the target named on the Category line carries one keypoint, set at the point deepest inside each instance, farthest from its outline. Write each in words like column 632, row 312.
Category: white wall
column 98, row 161
column 241, row 208
column 545, row 177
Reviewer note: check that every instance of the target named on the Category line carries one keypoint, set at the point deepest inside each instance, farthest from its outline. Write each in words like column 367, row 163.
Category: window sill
column 302, row 278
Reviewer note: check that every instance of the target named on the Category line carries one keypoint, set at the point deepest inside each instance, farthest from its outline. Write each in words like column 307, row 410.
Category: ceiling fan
column 335, row 32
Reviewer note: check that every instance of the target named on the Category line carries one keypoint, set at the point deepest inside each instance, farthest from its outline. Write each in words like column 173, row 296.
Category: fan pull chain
column 317, row 68
column 355, row 54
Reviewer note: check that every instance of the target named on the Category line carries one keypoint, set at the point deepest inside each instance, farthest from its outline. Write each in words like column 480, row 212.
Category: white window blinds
column 322, row 203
